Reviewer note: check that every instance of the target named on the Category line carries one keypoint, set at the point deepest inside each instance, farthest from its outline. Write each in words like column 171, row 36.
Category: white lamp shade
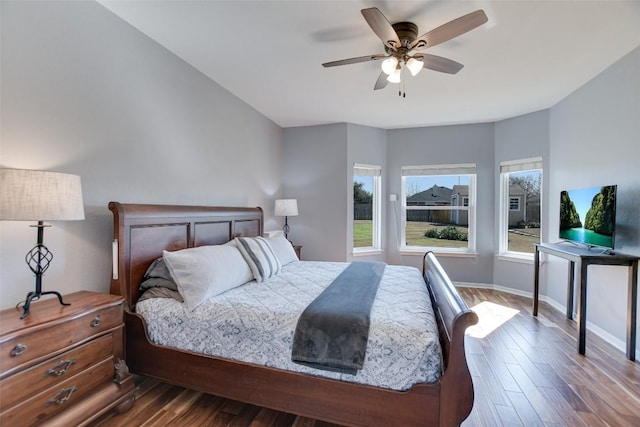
column 414, row 65
column 286, row 207
column 389, row 64
column 29, row 195
column 395, row 76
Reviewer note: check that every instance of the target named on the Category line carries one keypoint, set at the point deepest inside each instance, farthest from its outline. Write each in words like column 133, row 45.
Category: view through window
column 439, row 208
column 520, row 195
column 366, row 207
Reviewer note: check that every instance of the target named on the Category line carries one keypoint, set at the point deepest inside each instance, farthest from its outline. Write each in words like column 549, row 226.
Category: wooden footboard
column 453, row 317
column 141, row 232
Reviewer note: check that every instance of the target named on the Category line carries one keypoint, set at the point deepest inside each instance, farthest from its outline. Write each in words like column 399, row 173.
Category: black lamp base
column 38, row 260
column 286, row 228
column 34, row 296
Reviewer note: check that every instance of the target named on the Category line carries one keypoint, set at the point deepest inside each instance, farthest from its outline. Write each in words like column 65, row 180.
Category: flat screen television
column 588, row 216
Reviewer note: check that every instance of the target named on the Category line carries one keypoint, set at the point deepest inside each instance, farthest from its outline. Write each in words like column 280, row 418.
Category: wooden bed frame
column 142, row 232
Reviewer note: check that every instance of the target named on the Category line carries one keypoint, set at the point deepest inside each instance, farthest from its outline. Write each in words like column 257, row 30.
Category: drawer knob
column 61, row 368
column 62, row 396
column 96, row 322
column 18, row 350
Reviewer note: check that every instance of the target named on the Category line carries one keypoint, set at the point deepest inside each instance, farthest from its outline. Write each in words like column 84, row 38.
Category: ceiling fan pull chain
column 404, row 90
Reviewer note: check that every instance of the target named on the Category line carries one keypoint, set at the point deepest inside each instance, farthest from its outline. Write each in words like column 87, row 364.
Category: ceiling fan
column 402, row 45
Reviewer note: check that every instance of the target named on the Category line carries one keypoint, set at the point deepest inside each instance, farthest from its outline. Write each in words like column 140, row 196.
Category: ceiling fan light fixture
column 414, row 65
column 389, row 65
column 395, row 76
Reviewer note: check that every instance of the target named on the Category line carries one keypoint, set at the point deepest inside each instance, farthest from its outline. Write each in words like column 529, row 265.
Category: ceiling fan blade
column 438, row 63
column 381, row 26
column 450, row 30
column 354, row 60
column 382, row 81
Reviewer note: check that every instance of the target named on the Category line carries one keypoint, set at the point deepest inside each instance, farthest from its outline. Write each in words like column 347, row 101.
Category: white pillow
column 259, row 254
column 283, row 249
column 206, row 271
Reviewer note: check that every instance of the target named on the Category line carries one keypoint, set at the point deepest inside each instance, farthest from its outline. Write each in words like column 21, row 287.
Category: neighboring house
column 434, row 196
column 517, row 205
column 460, row 197
column 532, row 211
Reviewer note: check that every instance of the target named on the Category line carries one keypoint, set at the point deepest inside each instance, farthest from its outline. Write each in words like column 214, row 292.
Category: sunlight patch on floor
column 491, row 316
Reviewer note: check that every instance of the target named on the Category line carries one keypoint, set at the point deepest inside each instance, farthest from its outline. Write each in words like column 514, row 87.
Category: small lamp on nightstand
column 286, row 208
column 29, row 195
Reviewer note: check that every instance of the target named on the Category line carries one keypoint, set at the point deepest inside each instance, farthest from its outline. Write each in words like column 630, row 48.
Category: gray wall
column 315, row 173
column 521, row 137
column 85, row 93
column 366, row 145
column 318, row 171
column 594, row 140
column 446, row 145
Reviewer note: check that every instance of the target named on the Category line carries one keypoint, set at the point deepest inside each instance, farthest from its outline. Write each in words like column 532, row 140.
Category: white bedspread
column 255, row 323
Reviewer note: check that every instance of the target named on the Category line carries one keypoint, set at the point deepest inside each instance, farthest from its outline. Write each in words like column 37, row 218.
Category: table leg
column 582, row 306
column 632, row 311
column 536, row 280
column 570, row 289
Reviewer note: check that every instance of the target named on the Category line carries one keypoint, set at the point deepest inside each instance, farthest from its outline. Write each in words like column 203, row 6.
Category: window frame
column 504, row 207
column 467, row 169
column 374, row 171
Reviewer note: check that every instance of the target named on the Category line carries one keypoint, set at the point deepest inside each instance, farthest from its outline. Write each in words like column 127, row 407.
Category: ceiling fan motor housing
column 407, row 32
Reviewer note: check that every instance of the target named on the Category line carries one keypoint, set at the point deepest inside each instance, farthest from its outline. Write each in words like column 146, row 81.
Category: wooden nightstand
column 64, row 365
column 298, row 249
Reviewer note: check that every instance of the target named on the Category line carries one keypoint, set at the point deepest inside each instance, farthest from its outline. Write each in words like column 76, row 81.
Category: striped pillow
column 260, row 256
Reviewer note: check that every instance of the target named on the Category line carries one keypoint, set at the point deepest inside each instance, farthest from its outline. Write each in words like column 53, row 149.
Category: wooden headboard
column 142, row 232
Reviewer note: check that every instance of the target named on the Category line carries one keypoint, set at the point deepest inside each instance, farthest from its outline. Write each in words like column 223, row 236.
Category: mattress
column 255, row 323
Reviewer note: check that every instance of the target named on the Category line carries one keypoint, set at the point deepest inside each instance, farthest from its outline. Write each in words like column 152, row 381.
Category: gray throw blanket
column 333, row 330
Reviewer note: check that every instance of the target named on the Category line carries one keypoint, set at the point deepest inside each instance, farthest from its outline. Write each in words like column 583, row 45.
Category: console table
column 585, row 257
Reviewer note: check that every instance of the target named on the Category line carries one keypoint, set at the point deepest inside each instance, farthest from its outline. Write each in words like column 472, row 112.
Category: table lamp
column 30, row 195
column 286, row 208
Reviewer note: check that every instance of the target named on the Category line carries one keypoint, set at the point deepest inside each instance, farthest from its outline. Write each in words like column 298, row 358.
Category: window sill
column 367, row 252
column 440, row 253
column 513, row 257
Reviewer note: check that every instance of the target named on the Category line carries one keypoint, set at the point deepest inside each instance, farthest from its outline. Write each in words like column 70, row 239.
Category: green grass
column 520, row 240
column 362, row 233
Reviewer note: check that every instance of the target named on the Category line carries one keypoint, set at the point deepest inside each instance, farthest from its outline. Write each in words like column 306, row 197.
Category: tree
column 569, row 217
column 412, row 189
column 600, row 216
column 360, row 195
column 529, row 183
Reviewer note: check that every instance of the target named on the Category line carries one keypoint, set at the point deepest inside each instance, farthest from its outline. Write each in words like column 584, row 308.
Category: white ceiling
column 529, row 56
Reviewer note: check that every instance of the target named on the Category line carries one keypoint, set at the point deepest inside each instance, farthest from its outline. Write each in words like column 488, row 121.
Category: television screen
column 588, row 216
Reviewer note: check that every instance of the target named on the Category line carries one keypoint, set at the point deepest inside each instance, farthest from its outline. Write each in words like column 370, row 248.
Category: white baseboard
column 617, row 343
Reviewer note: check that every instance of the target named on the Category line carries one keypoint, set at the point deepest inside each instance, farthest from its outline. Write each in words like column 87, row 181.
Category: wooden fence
column 363, row 211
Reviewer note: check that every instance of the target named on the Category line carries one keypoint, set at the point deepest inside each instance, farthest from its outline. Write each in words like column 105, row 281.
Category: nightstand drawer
column 20, row 386
column 45, row 341
column 62, row 395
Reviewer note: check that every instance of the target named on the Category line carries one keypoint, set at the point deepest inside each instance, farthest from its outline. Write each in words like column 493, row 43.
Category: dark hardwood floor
column 526, row 372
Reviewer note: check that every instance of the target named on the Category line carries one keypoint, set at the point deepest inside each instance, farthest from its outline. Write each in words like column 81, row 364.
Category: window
column 520, row 195
column 366, row 208
column 438, row 208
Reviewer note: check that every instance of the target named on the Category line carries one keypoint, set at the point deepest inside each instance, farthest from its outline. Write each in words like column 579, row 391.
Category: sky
column 582, row 199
